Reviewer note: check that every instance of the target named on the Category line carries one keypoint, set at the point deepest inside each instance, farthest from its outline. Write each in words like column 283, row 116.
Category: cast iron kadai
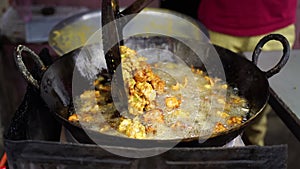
column 56, row 88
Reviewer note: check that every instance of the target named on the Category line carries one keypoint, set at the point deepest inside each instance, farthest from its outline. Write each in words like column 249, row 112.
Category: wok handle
column 22, row 67
column 284, row 57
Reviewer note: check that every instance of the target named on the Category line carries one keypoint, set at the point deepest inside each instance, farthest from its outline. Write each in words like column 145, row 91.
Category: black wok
column 56, row 86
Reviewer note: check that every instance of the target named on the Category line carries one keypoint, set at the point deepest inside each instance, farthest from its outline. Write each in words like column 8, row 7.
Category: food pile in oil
column 165, row 101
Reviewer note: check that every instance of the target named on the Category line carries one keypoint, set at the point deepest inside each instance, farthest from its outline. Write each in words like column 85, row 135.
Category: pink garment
column 247, row 17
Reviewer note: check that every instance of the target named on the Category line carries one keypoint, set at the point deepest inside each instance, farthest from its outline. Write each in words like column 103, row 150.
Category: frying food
column 166, row 100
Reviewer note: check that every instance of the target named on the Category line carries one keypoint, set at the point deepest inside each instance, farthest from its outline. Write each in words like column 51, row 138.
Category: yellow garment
column 255, row 133
column 242, row 44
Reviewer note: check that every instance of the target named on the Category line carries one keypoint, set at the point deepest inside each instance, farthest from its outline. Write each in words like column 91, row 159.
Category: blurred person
column 238, row 26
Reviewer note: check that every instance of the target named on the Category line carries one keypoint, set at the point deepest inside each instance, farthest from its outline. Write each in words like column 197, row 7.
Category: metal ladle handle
column 112, row 28
column 135, row 7
column 112, row 38
column 284, row 57
column 22, row 67
column 111, row 34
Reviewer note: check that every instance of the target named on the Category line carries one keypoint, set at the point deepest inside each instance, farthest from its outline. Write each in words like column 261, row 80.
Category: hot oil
column 204, row 102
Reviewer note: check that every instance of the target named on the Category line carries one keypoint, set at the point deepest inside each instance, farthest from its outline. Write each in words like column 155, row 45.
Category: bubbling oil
column 205, row 102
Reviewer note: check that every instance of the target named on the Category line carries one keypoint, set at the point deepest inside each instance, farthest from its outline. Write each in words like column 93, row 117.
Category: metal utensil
column 112, row 39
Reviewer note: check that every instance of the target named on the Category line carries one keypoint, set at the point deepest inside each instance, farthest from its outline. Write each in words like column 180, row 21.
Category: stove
column 40, row 142
column 36, row 140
